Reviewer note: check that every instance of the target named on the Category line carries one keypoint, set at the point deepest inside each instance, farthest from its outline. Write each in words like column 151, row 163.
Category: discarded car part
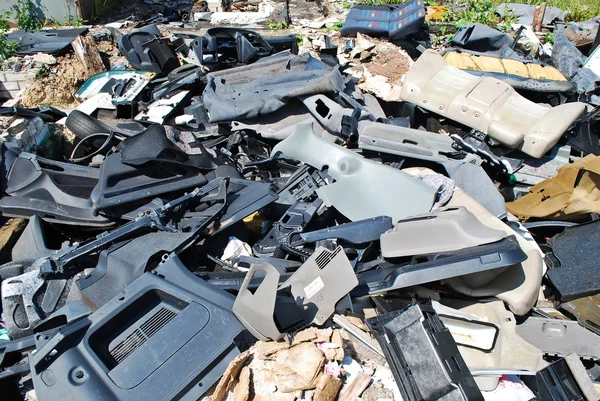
column 123, row 86
column 462, row 167
column 433, row 267
column 357, row 178
column 569, row 60
column 565, row 379
column 393, row 21
column 122, row 263
column 573, row 272
column 286, row 230
column 32, row 242
column 317, row 286
column 50, row 41
column 224, row 46
column 358, row 232
column 261, row 88
column 54, row 191
column 120, row 185
column 406, row 142
column 110, row 356
column 157, row 219
column 46, row 113
column 585, row 311
column 11, row 349
column 488, row 105
column 570, row 195
column 468, row 330
column 277, row 125
column 83, row 125
column 530, row 76
column 148, row 51
column 480, row 37
column 423, row 356
column 159, row 110
column 307, row 297
column 445, row 230
column 333, row 117
column 25, row 304
column 164, row 145
column 519, row 284
column 557, row 337
column 262, row 321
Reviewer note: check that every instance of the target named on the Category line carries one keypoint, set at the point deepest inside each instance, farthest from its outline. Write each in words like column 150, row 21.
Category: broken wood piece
column 242, row 389
column 87, row 52
column 299, row 367
column 228, row 378
column 356, row 388
column 328, row 388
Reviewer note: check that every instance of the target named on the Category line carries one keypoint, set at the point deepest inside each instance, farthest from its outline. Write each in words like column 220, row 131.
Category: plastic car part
column 159, row 110
column 480, row 37
column 585, row 311
column 307, row 297
column 120, row 185
column 468, row 330
column 190, row 336
column 11, row 351
column 564, row 380
column 54, row 191
column 432, row 267
column 517, row 285
column 261, row 88
column 224, row 46
column 286, row 230
column 329, row 114
column 447, row 229
column 488, row 105
column 148, row 51
column 357, row 179
column 423, row 356
column 325, row 278
column 518, row 74
column 123, row 86
column 122, row 263
column 26, row 301
column 407, row 142
column 560, row 337
column 393, row 21
column 50, row 41
column 358, row 232
column 160, row 145
column 158, row 219
column 32, row 242
column 573, row 273
column 463, row 167
column 46, row 113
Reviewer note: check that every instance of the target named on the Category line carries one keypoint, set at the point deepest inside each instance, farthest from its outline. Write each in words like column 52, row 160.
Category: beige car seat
column 487, row 104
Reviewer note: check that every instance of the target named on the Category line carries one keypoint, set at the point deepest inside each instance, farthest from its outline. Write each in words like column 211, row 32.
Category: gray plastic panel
column 444, row 230
column 560, row 337
column 398, row 194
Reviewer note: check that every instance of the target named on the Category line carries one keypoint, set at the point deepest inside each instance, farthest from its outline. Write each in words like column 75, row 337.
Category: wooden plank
column 87, row 52
column 356, row 388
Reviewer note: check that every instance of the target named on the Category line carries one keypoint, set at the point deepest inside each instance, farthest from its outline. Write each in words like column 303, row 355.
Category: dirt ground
column 57, row 85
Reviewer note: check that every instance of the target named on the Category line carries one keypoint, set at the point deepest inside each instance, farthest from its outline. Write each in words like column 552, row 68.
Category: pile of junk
column 252, row 205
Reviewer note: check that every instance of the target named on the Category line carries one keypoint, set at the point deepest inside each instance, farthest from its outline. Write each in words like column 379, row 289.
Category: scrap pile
column 242, row 217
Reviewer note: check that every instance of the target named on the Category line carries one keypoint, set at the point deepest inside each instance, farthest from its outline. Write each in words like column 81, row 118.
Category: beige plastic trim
column 517, row 285
column 488, row 105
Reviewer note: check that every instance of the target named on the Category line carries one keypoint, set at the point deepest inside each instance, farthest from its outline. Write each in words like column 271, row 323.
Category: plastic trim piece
column 398, row 194
column 448, row 229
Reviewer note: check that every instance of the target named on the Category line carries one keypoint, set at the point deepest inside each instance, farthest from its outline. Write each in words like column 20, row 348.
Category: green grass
column 579, row 10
